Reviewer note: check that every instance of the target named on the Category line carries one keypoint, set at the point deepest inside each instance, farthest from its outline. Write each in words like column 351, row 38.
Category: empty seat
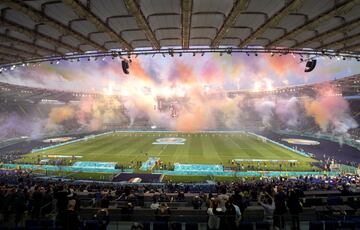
column 348, row 224
column 91, row 225
column 39, row 223
column 191, row 226
column 176, row 226
column 262, row 225
column 309, row 202
column 245, row 226
column 316, row 225
column 331, row 225
column 334, row 200
column 160, row 226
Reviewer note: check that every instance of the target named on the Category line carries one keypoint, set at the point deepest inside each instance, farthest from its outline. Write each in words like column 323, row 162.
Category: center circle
column 171, row 140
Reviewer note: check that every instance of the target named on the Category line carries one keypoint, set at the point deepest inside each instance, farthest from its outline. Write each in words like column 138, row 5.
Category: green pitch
column 200, row 148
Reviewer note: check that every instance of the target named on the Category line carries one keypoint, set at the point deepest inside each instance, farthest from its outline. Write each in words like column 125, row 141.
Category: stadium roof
column 31, row 29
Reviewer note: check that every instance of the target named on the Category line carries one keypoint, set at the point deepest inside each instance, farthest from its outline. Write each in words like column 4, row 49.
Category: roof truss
column 41, row 17
column 83, row 12
column 273, row 21
column 237, row 9
column 135, row 11
column 186, row 9
column 337, row 10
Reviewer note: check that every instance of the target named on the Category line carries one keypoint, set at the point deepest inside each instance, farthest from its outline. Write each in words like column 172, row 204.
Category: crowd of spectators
column 10, row 157
column 22, row 195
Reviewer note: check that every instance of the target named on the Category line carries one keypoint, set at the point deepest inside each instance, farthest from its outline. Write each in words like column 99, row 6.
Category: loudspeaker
column 125, row 66
column 310, row 65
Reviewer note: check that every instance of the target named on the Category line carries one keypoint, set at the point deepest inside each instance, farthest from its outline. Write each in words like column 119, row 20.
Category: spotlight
column 171, row 52
column 57, row 62
column 272, row 54
column 228, row 51
column 125, row 66
column 310, row 65
column 103, row 58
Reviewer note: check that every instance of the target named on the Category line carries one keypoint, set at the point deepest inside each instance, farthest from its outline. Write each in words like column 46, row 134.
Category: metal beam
column 135, row 11
column 351, row 47
column 28, row 45
column 312, row 24
column 83, row 12
column 11, row 57
column 343, row 42
column 36, row 35
column 330, row 33
column 186, row 9
column 41, row 17
column 3, row 60
column 15, row 50
column 273, row 21
column 237, row 9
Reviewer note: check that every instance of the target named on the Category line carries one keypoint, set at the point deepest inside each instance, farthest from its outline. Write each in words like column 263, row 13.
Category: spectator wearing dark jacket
column 295, row 208
column 69, row 218
column 280, row 208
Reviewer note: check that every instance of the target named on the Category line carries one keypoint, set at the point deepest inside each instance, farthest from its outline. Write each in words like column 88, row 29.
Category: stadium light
column 310, row 65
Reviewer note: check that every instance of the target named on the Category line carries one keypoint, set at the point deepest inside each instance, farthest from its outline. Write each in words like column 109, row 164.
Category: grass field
column 201, row 148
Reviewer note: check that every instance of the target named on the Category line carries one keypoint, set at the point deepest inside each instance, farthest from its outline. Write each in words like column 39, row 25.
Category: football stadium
column 180, row 114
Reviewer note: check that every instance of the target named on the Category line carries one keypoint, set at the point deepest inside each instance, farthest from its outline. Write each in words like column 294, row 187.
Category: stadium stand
column 29, row 201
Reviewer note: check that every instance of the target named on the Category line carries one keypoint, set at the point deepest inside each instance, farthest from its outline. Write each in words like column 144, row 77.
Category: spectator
column 162, row 214
column 213, row 220
column 127, row 211
column 19, row 206
column 295, row 208
column 223, row 198
column 102, row 215
column 237, row 211
column 267, row 202
column 61, row 198
column 155, row 204
column 280, row 208
column 68, row 218
column 197, row 202
column 37, row 201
